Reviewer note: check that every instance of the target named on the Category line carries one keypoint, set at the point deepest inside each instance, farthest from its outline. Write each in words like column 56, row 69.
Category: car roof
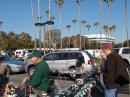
column 66, row 51
column 72, row 51
column 122, row 48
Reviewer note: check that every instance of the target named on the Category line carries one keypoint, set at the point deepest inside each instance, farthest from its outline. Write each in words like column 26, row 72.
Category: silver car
column 13, row 65
column 66, row 62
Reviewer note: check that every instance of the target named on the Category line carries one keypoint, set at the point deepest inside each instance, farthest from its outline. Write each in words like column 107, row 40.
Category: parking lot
column 17, row 78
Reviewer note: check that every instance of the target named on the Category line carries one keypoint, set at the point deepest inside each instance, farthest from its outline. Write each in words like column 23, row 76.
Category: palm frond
column 83, row 22
column 59, row 2
column 108, row 1
column 74, row 21
column 88, row 26
column 96, row 24
column 68, row 27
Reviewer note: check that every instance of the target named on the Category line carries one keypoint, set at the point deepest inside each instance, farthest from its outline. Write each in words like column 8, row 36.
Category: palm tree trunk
column 75, row 40
column 60, row 12
column 89, row 39
column 100, row 24
column 49, row 26
column 40, row 38
column 53, row 37
column 79, row 24
column 39, row 20
column 69, row 41
column 32, row 7
column 110, row 36
column 108, row 21
column 126, row 22
column 84, row 39
column 44, row 28
column 96, row 38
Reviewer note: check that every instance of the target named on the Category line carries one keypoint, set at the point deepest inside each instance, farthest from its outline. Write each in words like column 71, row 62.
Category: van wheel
column 72, row 72
column 31, row 70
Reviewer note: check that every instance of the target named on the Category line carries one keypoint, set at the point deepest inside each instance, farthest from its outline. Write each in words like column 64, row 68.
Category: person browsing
column 40, row 78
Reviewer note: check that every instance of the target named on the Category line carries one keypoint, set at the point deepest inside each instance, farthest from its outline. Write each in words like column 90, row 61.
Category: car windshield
column 8, row 58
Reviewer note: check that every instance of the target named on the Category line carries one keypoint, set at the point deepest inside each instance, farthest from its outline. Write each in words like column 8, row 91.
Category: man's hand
column 24, row 80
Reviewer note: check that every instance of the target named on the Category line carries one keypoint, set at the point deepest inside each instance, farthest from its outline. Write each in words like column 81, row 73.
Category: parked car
column 65, row 62
column 22, row 54
column 124, row 52
column 13, row 65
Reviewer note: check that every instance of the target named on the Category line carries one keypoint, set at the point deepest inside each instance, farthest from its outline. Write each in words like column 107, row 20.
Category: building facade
column 100, row 38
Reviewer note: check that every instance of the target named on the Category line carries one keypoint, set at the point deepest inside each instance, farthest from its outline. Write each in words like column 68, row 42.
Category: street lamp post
column 44, row 30
column 49, row 23
column 39, row 25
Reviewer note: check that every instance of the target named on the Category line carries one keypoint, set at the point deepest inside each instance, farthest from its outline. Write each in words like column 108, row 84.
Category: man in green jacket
column 40, row 78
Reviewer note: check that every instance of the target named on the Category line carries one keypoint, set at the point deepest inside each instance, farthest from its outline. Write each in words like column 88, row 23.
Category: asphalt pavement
column 17, row 78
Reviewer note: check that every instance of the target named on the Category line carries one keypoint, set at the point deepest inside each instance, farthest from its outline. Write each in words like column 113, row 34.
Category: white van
column 66, row 62
column 20, row 53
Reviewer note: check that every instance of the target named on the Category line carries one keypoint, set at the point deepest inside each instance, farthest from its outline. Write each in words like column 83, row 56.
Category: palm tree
column 68, row 27
column 96, row 24
column 106, row 28
column 74, row 22
column 88, row 27
column 78, row 3
column 112, row 29
column 60, row 3
column 83, row 22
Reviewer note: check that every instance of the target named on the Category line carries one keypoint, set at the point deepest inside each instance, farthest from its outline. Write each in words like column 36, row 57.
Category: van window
column 80, row 59
column 51, row 56
column 68, row 56
column 126, row 51
column 73, row 55
column 63, row 56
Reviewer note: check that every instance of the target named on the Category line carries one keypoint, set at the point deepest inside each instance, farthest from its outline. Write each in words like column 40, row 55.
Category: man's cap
column 107, row 46
column 36, row 53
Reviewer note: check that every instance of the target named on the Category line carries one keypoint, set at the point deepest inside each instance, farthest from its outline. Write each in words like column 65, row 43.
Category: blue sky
column 17, row 17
